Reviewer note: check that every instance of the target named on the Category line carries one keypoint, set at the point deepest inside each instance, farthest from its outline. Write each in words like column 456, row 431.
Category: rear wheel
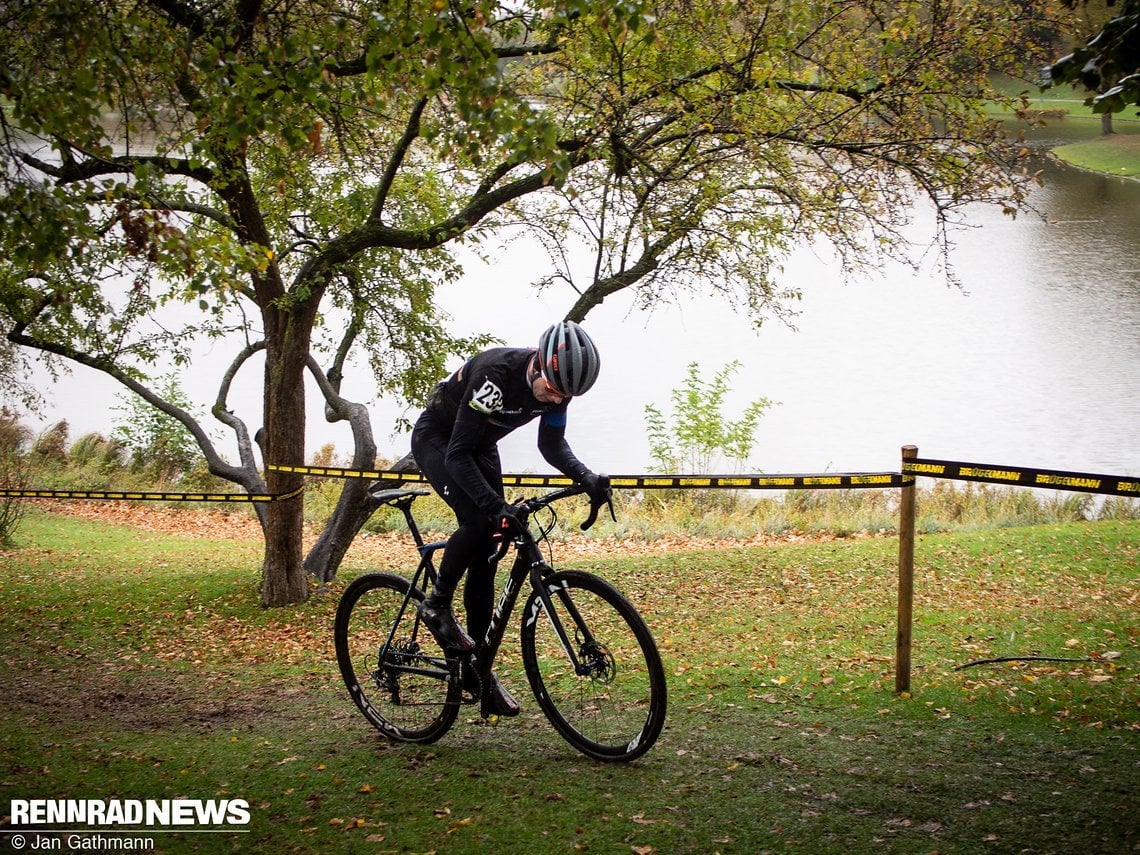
column 612, row 705
column 401, row 680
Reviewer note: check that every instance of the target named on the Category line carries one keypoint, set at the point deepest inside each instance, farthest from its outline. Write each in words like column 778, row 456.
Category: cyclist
column 455, row 444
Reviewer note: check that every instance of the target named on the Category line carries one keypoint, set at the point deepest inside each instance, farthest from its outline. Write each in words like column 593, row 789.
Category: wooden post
column 906, row 578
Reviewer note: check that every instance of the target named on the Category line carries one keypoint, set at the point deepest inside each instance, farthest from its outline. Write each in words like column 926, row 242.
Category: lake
column 1034, row 361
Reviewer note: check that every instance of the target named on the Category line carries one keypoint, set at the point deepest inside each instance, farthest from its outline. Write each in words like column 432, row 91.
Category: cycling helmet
column 568, row 358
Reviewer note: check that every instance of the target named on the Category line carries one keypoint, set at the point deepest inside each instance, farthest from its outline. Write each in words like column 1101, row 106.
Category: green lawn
column 1118, row 154
column 1115, row 154
column 139, row 666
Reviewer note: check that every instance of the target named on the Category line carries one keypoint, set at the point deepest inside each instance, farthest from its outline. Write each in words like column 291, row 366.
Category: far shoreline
column 1112, row 154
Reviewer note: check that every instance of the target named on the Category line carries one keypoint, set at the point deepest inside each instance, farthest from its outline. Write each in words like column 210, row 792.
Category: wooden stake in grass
column 906, row 579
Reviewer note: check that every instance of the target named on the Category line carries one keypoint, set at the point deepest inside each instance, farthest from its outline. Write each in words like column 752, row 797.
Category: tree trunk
column 283, row 580
column 1106, row 124
column 353, row 509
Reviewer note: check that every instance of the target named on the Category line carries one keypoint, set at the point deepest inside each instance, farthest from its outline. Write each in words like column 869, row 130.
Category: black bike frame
column 528, row 563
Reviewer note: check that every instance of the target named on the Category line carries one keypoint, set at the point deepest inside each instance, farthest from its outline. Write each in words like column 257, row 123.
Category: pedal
column 486, row 713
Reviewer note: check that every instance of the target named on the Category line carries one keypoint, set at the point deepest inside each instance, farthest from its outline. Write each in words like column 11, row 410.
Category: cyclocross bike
column 589, row 657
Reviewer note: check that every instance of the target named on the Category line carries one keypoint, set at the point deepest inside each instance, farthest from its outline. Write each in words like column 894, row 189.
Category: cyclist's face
column 544, row 392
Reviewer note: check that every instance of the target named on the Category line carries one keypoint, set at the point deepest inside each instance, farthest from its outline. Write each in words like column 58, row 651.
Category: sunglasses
column 535, row 372
column 550, row 388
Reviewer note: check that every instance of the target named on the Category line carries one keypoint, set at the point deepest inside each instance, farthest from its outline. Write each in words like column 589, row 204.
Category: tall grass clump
column 946, row 506
column 15, row 473
column 842, row 512
column 95, row 462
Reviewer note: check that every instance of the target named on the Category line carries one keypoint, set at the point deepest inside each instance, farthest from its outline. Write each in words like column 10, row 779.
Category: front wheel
column 395, row 671
column 609, row 700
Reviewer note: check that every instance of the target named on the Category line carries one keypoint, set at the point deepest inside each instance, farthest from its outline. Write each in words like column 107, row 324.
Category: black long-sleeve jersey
column 482, row 402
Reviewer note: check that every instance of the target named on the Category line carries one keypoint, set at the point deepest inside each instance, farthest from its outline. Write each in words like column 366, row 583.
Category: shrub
column 699, row 437
column 699, row 434
column 159, row 444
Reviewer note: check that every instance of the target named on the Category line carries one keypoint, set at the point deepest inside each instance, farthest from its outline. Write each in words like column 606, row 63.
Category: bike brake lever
column 498, row 554
column 596, row 506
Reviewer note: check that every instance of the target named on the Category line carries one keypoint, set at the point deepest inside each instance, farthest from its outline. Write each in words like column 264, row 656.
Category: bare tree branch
column 411, row 131
column 217, row 465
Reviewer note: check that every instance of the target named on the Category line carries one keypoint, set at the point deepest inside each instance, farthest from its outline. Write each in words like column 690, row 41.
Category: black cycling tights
column 470, row 548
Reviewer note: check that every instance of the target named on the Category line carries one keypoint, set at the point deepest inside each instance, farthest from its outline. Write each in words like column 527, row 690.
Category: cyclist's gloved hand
column 597, row 486
column 507, row 521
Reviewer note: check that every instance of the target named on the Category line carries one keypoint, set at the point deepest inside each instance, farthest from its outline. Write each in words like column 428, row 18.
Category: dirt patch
column 139, row 700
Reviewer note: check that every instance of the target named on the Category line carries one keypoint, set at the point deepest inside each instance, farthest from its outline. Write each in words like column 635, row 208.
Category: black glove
column 597, row 486
column 507, row 521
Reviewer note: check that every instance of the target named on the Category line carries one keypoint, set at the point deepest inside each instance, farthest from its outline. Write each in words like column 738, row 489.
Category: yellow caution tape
column 142, row 496
column 638, row 482
column 1081, row 482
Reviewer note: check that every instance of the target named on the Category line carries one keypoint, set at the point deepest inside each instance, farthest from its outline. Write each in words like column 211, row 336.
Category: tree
column 1108, row 63
column 300, row 173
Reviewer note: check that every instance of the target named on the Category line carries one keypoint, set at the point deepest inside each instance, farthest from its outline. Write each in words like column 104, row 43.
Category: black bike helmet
column 568, row 358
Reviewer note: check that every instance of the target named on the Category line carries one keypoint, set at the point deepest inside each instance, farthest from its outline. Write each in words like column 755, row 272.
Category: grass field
column 138, row 665
column 1117, row 154
column 1114, row 154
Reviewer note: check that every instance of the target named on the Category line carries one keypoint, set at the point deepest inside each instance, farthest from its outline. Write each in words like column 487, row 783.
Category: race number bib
column 488, row 398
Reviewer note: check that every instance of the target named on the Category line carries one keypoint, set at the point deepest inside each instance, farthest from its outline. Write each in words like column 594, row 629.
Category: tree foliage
column 1108, row 63
column 295, row 178
column 158, row 443
column 740, row 130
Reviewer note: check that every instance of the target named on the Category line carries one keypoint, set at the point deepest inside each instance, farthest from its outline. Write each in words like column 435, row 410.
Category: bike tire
column 616, row 710
column 411, row 696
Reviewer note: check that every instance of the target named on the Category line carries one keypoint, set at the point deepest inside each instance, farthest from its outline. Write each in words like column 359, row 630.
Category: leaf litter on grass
column 781, row 702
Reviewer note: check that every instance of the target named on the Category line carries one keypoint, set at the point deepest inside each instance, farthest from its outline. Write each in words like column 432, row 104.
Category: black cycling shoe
column 499, row 701
column 441, row 621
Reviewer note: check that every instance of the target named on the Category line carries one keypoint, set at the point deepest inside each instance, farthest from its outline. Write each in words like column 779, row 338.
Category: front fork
column 582, row 641
column 528, row 562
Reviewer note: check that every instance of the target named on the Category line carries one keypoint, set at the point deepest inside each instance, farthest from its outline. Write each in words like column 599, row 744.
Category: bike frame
column 528, row 563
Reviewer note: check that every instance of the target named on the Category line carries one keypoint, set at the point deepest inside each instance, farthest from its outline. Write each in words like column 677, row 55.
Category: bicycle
column 589, row 657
